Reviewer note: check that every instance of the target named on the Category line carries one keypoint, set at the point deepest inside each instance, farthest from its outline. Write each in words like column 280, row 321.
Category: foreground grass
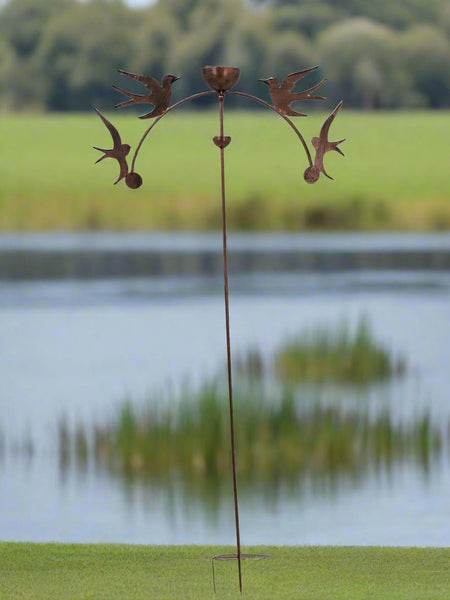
column 109, row 572
column 48, row 179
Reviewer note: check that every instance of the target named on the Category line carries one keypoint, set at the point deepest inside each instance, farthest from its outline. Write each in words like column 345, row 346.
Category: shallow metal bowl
column 220, row 78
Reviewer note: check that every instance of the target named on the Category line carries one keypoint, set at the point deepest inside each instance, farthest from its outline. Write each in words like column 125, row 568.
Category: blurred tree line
column 64, row 54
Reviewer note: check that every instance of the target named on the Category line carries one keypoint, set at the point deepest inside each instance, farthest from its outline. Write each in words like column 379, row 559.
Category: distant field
column 110, row 572
column 394, row 175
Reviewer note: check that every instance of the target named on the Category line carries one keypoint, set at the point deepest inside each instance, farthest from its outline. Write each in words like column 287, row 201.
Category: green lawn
column 393, row 176
column 109, row 572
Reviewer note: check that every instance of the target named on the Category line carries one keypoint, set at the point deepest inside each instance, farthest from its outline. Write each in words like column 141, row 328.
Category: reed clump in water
column 327, row 354
column 275, row 439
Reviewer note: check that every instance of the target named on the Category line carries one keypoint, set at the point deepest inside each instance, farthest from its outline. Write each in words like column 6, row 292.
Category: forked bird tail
column 100, row 150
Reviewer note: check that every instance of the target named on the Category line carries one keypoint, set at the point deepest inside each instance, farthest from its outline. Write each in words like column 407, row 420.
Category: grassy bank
column 48, row 179
column 101, row 572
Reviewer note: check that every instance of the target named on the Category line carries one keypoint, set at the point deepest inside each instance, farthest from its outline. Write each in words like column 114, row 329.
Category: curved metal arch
column 158, row 119
column 234, row 93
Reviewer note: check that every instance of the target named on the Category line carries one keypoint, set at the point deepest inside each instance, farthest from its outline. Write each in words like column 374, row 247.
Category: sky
column 130, row 2
column 140, row 2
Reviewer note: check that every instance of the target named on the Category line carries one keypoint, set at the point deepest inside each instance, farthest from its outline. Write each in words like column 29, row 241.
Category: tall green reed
column 337, row 354
column 185, row 437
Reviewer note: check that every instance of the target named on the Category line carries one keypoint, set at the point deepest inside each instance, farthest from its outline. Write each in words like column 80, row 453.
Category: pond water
column 77, row 345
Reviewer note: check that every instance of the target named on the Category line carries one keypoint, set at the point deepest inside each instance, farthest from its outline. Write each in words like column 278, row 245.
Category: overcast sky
column 130, row 2
column 140, row 2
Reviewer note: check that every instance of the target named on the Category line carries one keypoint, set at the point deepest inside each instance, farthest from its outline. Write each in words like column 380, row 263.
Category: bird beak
column 264, row 80
column 177, row 78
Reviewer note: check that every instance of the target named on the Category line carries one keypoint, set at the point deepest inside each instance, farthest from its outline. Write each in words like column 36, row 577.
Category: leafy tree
column 182, row 10
column 427, row 52
column 23, row 22
column 365, row 65
column 443, row 20
column 81, row 50
column 205, row 42
column 63, row 54
column 288, row 52
column 153, row 41
column 7, row 68
column 22, row 26
column 248, row 47
column 307, row 19
column 395, row 13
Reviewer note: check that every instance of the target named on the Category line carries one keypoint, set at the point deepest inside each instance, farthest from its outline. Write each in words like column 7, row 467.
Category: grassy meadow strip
column 113, row 572
column 48, row 179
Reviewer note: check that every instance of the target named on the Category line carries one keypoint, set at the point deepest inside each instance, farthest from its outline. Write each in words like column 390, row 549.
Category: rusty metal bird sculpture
column 283, row 96
column 159, row 95
column 221, row 79
column 322, row 145
column 119, row 151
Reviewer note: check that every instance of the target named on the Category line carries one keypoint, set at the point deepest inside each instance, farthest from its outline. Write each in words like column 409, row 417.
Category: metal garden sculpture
column 221, row 79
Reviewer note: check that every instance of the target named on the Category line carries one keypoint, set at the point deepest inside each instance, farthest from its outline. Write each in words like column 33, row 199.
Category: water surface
column 79, row 345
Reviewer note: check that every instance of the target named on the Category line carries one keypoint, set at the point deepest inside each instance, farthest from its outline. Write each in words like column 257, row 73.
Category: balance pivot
column 222, row 141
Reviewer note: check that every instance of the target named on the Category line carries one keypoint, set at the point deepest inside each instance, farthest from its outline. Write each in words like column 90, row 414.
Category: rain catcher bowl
column 220, row 78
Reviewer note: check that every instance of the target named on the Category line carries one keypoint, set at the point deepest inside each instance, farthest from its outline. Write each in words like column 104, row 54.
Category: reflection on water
column 283, row 446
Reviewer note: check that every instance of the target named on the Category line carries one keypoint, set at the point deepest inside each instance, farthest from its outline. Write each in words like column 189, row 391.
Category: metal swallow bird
column 282, row 95
column 322, row 145
column 119, row 151
column 159, row 95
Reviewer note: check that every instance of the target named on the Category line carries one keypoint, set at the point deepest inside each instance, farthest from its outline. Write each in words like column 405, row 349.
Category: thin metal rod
column 227, row 327
column 299, row 135
column 158, row 119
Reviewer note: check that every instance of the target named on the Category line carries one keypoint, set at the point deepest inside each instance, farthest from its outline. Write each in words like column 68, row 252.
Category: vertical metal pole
column 227, row 327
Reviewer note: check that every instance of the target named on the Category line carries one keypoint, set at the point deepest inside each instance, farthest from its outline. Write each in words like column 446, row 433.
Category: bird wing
column 289, row 82
column 113, row 131
column 150, row 82
column 326, row 126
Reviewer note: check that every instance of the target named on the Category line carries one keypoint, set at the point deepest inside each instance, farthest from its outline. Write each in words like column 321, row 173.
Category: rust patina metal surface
column 221, row 79
column 282, row 95
column 159, row 95
column 119, row 151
